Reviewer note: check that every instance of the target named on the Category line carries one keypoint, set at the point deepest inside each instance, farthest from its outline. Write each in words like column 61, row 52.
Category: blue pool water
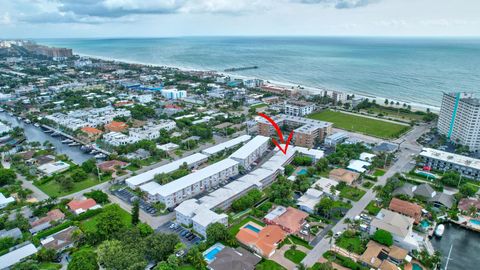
column 475, row 222
column 425, row 224
column 252, row 228
column 417, row 267
column 210, row 256
column 302, row 172
column 427, row 174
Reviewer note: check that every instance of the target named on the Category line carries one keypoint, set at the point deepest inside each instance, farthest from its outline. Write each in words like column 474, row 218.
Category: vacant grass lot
column 352, row 193
column 352, row 242
column 53, row 189
column 367, row 126
column 90, row 225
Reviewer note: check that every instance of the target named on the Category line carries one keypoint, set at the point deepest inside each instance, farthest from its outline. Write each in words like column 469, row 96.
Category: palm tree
column 472, row 210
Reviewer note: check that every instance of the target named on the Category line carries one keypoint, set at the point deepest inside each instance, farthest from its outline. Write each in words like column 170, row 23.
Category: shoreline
column 303, row 88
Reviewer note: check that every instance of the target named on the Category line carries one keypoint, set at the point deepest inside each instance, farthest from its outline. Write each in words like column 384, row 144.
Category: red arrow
column 280, row 134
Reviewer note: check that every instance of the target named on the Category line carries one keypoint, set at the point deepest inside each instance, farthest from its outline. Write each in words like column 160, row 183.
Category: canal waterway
column 33, row 133
column 465, row 246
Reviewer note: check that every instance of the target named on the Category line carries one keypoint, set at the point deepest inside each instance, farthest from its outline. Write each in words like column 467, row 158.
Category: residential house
column 359, row 166
column 289, row 219
column 426, row 192
column 4, row 201
column 111, row 165
column 14, row 233
column 17, row 254
column 59, row 241
column 81, row 206
column 309, row 199
column 91, row 133
column 116, row 126
column 45, row 222
column 53, row 167
column 343, row 175
column 406, row 208
column 378, row 256
column 466, row 204
column 399, row 226
column 234, row 259
column 262, row 241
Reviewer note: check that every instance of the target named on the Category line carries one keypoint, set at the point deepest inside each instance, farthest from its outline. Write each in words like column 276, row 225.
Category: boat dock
column 465, row 223
column 79, row 142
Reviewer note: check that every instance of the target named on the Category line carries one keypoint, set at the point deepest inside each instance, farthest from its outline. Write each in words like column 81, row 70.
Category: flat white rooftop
column 196, row 177
column 250, row 147
column 226, row 145
column 315, row 153
column 167, row 168
column 17, row 255
column 451, row 158
column 205, row 217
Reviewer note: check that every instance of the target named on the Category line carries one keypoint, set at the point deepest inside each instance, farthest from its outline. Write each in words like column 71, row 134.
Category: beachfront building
column 251, row 151
column 459, row 119
column 192, row 161
column 308, row 132
column 184, row 188
column 298, row 107
column 399, row 226
column 173, row 93
column 226, row 145
column 445, row 161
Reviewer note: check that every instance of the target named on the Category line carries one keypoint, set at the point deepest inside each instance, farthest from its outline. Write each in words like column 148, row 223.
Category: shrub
column 383, row 237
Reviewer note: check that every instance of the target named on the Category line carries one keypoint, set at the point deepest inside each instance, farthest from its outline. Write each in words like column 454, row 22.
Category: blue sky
column 157, row 18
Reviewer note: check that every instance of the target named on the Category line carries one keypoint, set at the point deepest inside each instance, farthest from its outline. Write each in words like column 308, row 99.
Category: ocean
column 415, row 70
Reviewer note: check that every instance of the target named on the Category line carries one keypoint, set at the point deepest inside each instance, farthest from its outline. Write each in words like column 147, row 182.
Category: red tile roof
column 109, row 165
column 263, row 242
column 466, row 203
column 83, row 204
column 406, row 208
column 116, row 126
column 291, row 221
column 91, row 130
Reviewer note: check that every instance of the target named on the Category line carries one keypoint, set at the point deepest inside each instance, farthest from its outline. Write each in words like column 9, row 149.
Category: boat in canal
column 440, row 230
column 100, row 156
column 67, row 141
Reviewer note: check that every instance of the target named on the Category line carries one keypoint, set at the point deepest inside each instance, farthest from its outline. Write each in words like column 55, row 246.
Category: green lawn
column 351, row 242
column 378, row 172
column 299, row 242
column 372, row 208
column 352, row 193
column 269, row 265
column 235, row 228
column 260, row 105
column 367, row 184
column 52, row 188
column 368, row 126
column 91, row 224
column 49, row 266
column 295, row 256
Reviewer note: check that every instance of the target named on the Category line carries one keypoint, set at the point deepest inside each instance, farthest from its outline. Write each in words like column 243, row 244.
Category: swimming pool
column 252, row 228
column 426, row 174
column 425, row 224
column 302, row 172
column 416, row 267
column 475, row 222
column 210, row 253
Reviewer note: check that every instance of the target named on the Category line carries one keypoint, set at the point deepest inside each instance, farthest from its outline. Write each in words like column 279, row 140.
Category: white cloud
column 5, row 19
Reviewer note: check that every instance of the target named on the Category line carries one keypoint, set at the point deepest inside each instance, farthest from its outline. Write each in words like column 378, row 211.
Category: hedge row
column 344, row 261
column 53, row 230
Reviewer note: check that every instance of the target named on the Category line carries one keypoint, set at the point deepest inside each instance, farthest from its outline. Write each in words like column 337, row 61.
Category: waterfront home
column 466, row 204
column 406, row 208
column 90, row 133
column 116, row 126
column 262, row 240
column 427, row 193
column 289, row 219
column 399, row 226
column 54, row 167
column 378, row 256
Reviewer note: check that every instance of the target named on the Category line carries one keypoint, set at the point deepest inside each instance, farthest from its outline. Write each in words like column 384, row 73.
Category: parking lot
column 128, row 197
column 186, row 236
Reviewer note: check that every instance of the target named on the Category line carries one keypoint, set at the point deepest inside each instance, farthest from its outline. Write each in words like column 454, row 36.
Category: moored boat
column 440, row 230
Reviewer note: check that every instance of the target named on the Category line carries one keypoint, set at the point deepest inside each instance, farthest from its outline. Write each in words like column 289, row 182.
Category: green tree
column 98, row 195
column 110, row 223
column 383, row 237
column 136, row 212
column 113, row 255
column 46, row 255
column 28, row 265
column 195, row 258
column 467, row 190
column 7, row 177
column 217, row 232
column 324, row 207
column 89, row 166
column 451, row 178
column 78, row 175
column 160, row 245
column 84, row 259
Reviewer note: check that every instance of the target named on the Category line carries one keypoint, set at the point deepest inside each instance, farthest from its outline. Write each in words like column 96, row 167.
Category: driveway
column 279, row 256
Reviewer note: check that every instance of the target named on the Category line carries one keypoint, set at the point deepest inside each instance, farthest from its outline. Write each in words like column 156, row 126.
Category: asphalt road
column 408, row 148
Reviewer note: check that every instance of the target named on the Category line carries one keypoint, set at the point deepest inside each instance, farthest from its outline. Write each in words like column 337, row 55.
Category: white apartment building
column 186, row 187
column 251, row 151
column 459, row 119
column 87, row 117
column 151, row 131
column 445, row 161
column 298, row 108
column 191, row 213
column 226, row 145
column 117, row 139
column 173, row 93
